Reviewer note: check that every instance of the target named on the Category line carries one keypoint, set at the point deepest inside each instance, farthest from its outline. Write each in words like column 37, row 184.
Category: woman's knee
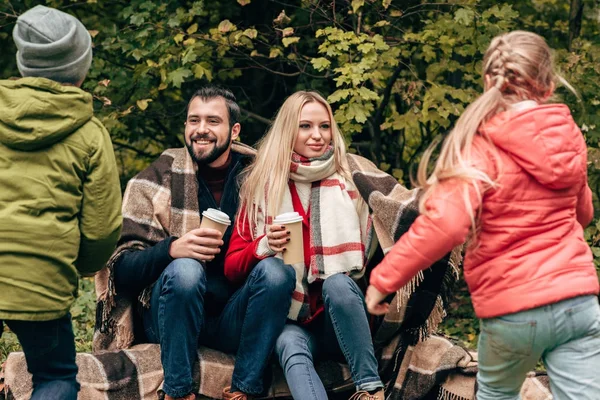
column 185, row 277
column 275, row 275
column 340, row 286
column 293, row 341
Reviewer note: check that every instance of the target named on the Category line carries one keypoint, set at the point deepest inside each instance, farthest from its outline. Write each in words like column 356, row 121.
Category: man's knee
column 274, row 275
column 185, row 277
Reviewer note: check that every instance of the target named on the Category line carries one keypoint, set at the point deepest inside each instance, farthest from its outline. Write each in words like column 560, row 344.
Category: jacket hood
column 544, row 140
column 36, row 112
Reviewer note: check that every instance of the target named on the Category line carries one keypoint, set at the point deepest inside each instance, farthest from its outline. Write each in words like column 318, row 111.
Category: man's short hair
column 210, row 92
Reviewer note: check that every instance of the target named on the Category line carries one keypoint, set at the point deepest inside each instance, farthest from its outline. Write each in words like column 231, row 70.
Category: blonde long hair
column 517, row 66
column 270, row 171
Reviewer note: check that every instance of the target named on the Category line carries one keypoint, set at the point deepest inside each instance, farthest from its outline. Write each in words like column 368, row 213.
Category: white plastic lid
column 217, row 216
column 288, row 218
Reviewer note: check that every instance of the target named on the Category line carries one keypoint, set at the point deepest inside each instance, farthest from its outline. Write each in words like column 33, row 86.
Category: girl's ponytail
column 517, row 66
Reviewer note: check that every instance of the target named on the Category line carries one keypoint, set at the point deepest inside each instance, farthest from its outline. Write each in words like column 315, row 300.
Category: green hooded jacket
column 60, row 197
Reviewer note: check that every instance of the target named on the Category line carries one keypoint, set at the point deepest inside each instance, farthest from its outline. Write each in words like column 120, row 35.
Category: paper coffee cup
column 295, row 247
column 215, row 219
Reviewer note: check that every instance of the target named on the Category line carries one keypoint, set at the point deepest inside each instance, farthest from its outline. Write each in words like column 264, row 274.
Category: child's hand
column 373, row 298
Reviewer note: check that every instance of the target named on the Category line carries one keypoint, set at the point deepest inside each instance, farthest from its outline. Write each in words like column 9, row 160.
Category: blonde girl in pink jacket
column 511, row 180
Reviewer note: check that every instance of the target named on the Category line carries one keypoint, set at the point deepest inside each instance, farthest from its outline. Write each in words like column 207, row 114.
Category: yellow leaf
column 275, row 52
column 243, row 2
column 127, row 112
column 281, row 19
column 254, row 53
column 386, row 3
column 162, row 86
column 143, row 104
column 356, row 4
column 226, row 26
column 104, row 82
column 189, row 41
column 290, row 40
column 192, row 29
column 251, row 33
column 178, row 38
column 288, row 32
column 93, row 33
column 151, row 63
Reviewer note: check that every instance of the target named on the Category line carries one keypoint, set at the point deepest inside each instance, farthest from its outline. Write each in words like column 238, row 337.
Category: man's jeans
column 344, row 329
column 49, row 348
column 248, row 326
column 565, row 335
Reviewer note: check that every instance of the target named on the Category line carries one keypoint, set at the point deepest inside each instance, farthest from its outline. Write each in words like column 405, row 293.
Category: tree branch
column 256, row 116
column 575, row 17
column 132, row 148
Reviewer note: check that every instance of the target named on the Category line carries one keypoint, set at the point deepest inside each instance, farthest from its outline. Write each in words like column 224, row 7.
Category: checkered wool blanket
column 166, row 204
column 414, row 313
column 435, row 368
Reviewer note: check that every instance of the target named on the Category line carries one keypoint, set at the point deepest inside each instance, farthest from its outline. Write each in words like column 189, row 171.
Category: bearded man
column 173, row 269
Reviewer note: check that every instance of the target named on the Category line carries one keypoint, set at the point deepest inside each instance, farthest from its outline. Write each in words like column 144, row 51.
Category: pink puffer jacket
column 530, row 250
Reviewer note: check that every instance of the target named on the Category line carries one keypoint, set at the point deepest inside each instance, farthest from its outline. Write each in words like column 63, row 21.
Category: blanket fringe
column 108, row 300
column 444, row 394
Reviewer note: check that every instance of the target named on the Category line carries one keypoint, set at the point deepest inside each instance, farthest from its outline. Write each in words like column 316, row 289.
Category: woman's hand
column 374, row 299
column 277, row 237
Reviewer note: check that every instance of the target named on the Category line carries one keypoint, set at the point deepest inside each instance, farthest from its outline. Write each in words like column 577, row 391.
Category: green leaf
column 384, row 166
column 203, row 70
column 290, row 40
column 189, row 56
column 320, row 63
column 464, row 16
column 178, row 76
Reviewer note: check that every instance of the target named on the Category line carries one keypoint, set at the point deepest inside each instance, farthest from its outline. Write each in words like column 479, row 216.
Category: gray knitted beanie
column 52, row 44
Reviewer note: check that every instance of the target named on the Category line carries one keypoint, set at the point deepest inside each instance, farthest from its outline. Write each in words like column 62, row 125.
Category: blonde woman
column 301, row 167
column 512, row 173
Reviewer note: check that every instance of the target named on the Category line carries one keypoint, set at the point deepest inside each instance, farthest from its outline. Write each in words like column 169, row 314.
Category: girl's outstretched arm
column 445, row 225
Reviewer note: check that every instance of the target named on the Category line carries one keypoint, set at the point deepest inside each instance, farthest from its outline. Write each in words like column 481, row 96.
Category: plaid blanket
column 435, row 368
column 414, row 313
column 166, row 204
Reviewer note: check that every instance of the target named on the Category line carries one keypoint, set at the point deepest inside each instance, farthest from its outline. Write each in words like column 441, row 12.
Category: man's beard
column 210, row 156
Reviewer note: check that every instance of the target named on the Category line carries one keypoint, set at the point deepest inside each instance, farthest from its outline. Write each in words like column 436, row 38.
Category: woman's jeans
column 248, row 326
column 565, row 335
column 49, row 348
column 344, row 329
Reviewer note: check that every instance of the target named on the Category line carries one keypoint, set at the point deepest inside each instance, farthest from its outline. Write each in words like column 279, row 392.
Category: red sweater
column 242, row 254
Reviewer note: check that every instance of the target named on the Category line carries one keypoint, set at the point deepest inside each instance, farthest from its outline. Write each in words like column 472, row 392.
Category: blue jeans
column 177, row 321
column 565, row 335
column 49, row 348
column 343, row 330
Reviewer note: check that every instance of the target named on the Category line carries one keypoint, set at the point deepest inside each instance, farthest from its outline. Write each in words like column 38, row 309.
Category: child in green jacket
column 60, row 203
